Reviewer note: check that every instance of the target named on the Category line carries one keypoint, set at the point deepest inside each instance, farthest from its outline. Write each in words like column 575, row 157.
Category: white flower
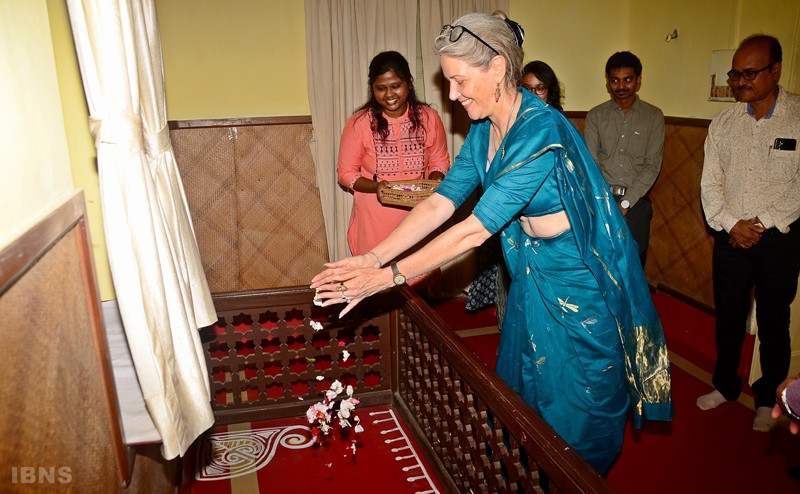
column 314, row 324
column 345, row 407
column 345, row 355
column 315, row 412
column 334, row 391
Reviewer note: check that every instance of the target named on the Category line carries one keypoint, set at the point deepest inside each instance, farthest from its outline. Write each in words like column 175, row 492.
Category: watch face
column 399, row 279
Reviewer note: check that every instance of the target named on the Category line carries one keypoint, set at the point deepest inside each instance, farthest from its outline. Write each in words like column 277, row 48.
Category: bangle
column 376, row 257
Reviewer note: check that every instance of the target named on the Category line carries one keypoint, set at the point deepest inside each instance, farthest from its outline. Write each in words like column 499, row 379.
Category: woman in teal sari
column 581, row 341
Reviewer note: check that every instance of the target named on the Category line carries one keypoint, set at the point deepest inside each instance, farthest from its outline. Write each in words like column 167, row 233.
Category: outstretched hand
column 349, row 281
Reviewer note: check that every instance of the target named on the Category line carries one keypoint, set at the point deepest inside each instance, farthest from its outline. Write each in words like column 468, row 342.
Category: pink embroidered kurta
column 399, row 157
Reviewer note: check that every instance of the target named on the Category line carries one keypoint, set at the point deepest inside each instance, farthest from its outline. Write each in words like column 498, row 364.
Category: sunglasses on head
column 457, row 31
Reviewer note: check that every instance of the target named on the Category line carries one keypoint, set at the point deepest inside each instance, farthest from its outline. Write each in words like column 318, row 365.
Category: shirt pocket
column 782, row 166
column 637, row 144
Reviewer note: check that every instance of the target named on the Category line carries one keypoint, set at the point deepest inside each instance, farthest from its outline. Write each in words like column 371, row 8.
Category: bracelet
column 376, row 257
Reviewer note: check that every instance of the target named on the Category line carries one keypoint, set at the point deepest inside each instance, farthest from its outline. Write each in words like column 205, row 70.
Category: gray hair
column 493, row 29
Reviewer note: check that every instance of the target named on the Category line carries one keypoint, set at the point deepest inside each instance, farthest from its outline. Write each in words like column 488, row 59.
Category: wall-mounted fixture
column 671, row 36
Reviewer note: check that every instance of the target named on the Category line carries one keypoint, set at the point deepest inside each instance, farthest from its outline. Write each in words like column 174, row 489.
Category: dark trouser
column 638, row 218
column 771, row 267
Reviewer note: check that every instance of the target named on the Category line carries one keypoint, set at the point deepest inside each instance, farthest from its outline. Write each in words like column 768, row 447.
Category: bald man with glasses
column 750, row 191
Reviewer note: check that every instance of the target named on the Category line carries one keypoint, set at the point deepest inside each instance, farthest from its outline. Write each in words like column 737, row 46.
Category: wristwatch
column 399, row 278
column 625, row 203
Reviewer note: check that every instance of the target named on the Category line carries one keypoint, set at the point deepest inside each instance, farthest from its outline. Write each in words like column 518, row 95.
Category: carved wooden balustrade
column 266, row 359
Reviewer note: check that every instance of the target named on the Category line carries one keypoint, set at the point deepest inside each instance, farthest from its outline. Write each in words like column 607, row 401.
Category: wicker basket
column 407, row 193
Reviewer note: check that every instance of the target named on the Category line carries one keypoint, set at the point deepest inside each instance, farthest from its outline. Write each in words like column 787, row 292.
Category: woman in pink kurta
column 392, row 137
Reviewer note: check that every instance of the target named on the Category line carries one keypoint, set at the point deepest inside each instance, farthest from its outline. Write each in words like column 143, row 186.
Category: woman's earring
column 497, row 93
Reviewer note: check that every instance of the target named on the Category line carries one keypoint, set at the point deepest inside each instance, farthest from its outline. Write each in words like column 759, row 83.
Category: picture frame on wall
column 719, row 90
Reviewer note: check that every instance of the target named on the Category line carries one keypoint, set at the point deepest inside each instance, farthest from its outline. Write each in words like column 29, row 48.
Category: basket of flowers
column 407, row 193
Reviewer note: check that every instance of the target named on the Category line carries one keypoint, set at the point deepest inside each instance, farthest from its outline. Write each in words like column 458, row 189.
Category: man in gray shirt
column 626, row 138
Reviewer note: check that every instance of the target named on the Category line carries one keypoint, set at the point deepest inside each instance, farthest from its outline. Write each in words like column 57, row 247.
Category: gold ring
column 341, row 288
column 345, row 297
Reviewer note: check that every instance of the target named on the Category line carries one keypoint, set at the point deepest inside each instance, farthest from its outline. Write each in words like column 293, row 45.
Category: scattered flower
column 321, row 414
column 320, row 378
column 345, row 355
column 314, row 324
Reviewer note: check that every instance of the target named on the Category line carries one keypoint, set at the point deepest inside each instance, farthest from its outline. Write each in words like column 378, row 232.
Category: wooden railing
column 264, row 355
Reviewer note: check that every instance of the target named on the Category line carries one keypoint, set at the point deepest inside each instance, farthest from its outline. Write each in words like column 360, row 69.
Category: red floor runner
column 704, row 452
column 698, row 452
column 276, row 456
column 690, row 333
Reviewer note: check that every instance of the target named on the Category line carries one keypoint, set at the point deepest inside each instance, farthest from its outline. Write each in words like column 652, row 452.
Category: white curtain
column 342, row 36
column 161, row 289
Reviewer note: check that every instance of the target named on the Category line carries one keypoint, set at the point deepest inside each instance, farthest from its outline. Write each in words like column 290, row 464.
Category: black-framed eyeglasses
column 748, row 74
column 457, row 31
column 539, row 89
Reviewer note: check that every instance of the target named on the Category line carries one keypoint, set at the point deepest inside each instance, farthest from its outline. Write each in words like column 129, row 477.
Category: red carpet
column 690, row 333
column 698, row 452
column 704, row 452
column 277, row 456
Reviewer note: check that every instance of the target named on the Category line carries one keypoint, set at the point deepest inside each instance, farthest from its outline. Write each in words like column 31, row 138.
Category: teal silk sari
column 581, row 341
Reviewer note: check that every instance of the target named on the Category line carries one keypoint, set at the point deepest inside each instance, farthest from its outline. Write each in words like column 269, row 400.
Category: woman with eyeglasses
column 540, row 79
column 581, row 341
column 392, row 137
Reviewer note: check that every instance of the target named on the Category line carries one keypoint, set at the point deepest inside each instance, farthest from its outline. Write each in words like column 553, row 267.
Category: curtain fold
column 155, row 264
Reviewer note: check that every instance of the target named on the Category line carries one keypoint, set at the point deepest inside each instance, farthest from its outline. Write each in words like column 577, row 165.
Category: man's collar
column 635, row 101
column 771, row 109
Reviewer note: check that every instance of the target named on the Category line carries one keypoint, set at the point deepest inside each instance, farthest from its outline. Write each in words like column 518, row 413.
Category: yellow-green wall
column 579, row 35
column 35, row 167
column 247, row 58
column 242, row 58
column 82, row 153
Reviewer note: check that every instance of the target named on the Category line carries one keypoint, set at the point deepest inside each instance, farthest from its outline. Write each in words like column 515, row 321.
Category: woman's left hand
column 349, row 281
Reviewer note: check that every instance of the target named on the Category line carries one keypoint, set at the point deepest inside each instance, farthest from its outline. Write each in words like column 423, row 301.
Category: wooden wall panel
column 252, row 192
column 680, row 243
column 282, row 240
column 59, row 421
column 205, row 159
